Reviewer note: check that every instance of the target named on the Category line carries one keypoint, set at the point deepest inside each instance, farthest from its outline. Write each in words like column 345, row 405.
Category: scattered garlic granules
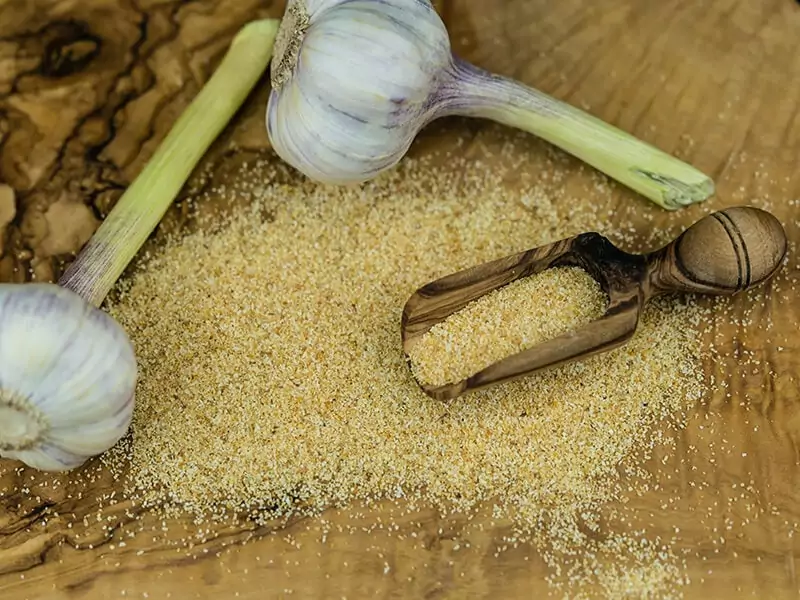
column 506, row 321
column 272, row 373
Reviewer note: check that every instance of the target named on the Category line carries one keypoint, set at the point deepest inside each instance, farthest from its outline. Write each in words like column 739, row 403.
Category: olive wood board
column 87, row 91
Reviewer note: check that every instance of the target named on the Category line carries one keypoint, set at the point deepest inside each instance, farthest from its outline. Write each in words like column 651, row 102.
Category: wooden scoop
column 724, row 253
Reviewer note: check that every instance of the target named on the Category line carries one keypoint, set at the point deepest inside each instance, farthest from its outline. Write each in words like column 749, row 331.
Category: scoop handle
column 723, row 253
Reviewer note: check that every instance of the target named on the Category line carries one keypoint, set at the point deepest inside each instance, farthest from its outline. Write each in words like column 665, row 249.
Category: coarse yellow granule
column 506, row 321
column 272, row 374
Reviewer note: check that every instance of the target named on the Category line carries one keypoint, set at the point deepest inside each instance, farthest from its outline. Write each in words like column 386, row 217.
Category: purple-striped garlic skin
column 353, row 83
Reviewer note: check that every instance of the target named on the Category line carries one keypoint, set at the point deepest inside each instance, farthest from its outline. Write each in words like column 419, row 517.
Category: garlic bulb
column 67, row 377
column 67, row 370
column 353, row 82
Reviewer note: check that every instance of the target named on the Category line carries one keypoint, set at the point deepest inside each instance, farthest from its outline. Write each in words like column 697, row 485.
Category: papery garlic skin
column 347, row 101
column 67, row 370
column 67, row 377
column 354, row 81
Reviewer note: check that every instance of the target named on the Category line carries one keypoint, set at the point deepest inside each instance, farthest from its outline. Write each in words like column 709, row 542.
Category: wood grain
column 87, row 91
column 621, row 276
column 727, row 252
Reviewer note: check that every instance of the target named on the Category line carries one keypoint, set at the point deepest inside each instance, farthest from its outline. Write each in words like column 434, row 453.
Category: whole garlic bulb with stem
column 67, row 369
column 354, row 81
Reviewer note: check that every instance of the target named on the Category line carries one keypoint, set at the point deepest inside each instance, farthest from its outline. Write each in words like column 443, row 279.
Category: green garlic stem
column 665, row 180
column 137, row 213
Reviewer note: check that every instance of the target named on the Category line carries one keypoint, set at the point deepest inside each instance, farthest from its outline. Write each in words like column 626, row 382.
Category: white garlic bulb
column 353, row 82
column 67, row 377
column 68, row 370
column 347, row 101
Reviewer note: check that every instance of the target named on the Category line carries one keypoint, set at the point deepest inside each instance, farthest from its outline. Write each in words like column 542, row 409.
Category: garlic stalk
column 67, row 369
column 354, row 81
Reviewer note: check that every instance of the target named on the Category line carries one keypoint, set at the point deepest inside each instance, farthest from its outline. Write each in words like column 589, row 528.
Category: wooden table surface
column 88, row 88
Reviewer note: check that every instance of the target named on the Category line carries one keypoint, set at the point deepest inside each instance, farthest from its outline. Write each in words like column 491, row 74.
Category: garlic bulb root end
column 22, row 425
column 287, row 43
